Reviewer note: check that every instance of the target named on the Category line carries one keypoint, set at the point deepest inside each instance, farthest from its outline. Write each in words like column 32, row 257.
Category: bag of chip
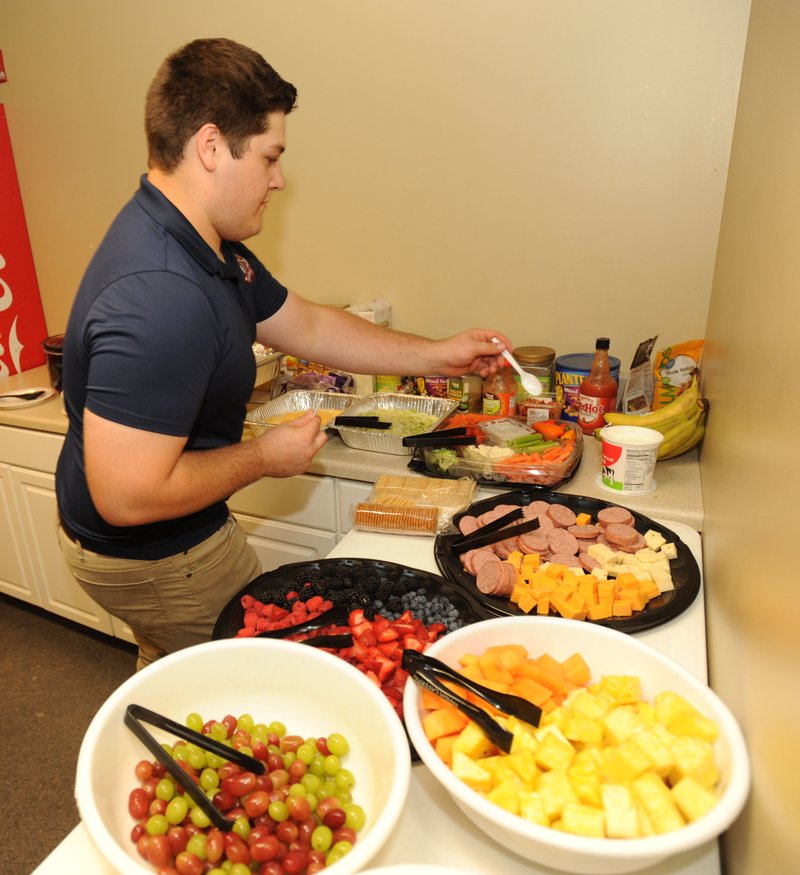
column 673, row 370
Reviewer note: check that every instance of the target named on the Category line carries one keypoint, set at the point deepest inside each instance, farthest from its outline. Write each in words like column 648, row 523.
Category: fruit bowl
column 607, row 652
column 312, row 692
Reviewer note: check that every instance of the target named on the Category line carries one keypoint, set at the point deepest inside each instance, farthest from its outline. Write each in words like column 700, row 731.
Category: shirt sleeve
column 154, row 344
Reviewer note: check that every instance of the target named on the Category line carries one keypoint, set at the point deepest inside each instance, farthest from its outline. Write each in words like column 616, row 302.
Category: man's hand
column 289, row 447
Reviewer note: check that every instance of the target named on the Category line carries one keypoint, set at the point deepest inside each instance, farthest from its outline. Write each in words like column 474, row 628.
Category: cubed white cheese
column 647, row 555
column 663, row 580
column 669, row 550
column 654, row 539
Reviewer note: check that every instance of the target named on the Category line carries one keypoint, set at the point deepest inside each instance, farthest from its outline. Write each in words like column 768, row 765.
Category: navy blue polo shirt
column 160, row 339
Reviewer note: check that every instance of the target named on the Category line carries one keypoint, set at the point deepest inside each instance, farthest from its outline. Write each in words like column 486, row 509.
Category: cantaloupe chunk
column 443, row 721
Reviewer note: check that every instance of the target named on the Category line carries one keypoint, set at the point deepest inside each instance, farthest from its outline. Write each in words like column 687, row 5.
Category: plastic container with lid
column 538, row 361
column 570, row 371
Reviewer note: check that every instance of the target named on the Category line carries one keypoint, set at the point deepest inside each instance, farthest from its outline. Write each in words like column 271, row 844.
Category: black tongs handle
column 136, row 715
column 515, row 706
column 428, row 680
column 497, row 530
column 335, row 616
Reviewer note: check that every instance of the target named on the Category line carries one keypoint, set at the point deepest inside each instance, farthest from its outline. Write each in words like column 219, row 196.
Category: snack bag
column 638, row 394
column 673, row 369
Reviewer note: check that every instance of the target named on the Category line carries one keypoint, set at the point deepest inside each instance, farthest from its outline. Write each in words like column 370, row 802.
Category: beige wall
column 555, row 170
column 749, row 472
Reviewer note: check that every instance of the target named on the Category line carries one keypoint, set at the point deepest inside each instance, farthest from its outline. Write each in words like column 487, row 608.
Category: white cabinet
column 16, row 578
column 58, row 591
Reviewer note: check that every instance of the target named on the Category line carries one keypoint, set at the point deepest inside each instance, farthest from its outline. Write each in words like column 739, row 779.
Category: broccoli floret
column 441, row 459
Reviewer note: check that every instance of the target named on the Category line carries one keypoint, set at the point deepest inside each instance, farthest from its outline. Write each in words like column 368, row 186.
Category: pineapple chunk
column 693, row 800
column 657, row 802
column 694, row 758
column 622, row 821
column 554, row 752
column 531, row 808
column 620, row 765
column 655, row 748
column 697, row 726
column 523, row 763
column 593, row 705
column 472, row 774
column 506, row 794
column 555, row 791
column 670, row 706
column 586, row 785
column 623, row 689
column 583, row 820
column 621, row 723
column 472, row 742
column 523, row 737
column 578, row 728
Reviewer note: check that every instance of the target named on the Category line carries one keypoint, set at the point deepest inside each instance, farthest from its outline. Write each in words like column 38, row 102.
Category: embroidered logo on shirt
column 247, row 271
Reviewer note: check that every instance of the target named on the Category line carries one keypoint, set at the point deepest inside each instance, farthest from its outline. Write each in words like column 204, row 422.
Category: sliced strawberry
column 411, row 642
column 361, row 628
column 356, row 616
column 389, row 648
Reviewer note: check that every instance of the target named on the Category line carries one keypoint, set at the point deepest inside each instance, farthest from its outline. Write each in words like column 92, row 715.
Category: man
column 158, row 362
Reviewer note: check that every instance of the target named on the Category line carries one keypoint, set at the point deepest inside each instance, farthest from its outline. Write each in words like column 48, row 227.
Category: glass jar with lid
column 538, row 361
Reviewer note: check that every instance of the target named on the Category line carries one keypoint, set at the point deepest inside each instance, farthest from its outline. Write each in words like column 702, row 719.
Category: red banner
column 22, row 323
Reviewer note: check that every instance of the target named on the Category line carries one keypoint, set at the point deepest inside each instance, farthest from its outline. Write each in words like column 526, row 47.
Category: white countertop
column 432, row 829
column 678, row 498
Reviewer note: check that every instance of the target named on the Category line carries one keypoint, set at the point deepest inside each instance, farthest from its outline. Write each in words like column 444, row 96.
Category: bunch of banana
column 682, row 422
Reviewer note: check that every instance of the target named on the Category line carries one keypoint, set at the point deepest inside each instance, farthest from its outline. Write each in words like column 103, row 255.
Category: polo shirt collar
column 163, row 211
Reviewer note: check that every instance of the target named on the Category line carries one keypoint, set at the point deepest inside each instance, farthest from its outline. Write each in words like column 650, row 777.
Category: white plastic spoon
column 529, row 383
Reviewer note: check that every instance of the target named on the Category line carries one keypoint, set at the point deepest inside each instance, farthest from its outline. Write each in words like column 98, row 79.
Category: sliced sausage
column 505, row 547
column 536, row 508
column 532, row 542
column 468, row 524
column 638, row 544
column 480, row 557
column 587, row 531
column 561, row 541
column 621, row 535
column 588, row 563
column 495, row 578
column 568, row 559
column 609, row 515
column 562, row 516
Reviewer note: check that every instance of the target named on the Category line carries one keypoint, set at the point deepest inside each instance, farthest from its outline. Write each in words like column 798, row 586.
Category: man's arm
column 343, row 340
column 138, row 477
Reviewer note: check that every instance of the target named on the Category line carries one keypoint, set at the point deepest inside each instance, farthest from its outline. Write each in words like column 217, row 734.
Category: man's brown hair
column 216, row 81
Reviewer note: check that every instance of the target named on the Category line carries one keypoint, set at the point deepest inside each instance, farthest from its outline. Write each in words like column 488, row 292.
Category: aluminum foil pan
column 297, row 401
column 378, row 441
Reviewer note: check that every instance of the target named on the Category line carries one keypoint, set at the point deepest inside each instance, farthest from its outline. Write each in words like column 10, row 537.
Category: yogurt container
column 629, row 458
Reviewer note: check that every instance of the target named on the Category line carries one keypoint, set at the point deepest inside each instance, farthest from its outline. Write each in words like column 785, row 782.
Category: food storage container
column 292, row 404
column 410, row 414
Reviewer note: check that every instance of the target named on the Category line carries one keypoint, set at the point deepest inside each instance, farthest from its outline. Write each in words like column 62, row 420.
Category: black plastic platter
column 684, row 570
column 355, row 583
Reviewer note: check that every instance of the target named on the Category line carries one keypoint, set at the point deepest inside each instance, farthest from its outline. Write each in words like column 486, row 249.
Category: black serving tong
column 445, row 437
column 366, row 421
column 429, row 673
column 137, row 715
column 497, row 530
column 335, row 616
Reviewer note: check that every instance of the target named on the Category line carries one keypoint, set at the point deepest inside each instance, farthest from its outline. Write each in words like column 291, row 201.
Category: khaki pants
column 168, row 603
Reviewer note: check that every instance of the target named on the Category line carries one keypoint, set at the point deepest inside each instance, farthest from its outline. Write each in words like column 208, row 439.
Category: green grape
column 213, row 761
column 245, row 723
column 311, row 782
column 331, row 764
column 209, row 779
column 199, row 817
column 218, row 732
column 157, row 825
column 177, row 809
column 197, row 845
column 278, row 811
column 277, row 728
column 338, row 744
column 165, row 789
column 297, row 790
column 168, row 748
column 313, row 800
column 317, row 766
column 196, row 759
column 339, row 850
column 328, row 788
column 321, row 838
column 345, row 779
column 261, row 731
column 239, row 869
column 344, row 796
column 306, row 752
column 194, row 721
column 241, row 826
column 288, row 758
column 246, row 749
column 181, row 752
column 355, row 816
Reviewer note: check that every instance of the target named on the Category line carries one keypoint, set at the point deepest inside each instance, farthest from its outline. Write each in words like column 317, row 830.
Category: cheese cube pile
column 604, row 764
column 622, row 585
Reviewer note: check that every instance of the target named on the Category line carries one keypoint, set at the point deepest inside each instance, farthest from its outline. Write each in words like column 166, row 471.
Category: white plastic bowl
column 607, row 652
column 313, row 693
column 414, row 869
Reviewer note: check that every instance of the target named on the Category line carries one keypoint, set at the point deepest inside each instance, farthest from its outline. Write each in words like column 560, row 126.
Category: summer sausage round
column 468, row 524
column 609, row 515
column 587, row 531
column 562, row 516
column 622, row 535
column 561, row 541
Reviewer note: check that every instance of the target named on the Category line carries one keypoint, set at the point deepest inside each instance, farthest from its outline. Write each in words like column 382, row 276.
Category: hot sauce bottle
column 598, row 392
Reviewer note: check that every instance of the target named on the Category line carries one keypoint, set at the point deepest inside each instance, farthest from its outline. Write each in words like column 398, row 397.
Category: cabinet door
column 60, row 593
column 16, row 578
column 349, row 492
column 280, row 543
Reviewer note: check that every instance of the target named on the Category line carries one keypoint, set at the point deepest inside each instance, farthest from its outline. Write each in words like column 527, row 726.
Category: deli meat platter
column 562, row 508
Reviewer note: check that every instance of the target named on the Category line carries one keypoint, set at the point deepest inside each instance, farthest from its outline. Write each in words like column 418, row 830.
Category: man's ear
column 208, row 142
